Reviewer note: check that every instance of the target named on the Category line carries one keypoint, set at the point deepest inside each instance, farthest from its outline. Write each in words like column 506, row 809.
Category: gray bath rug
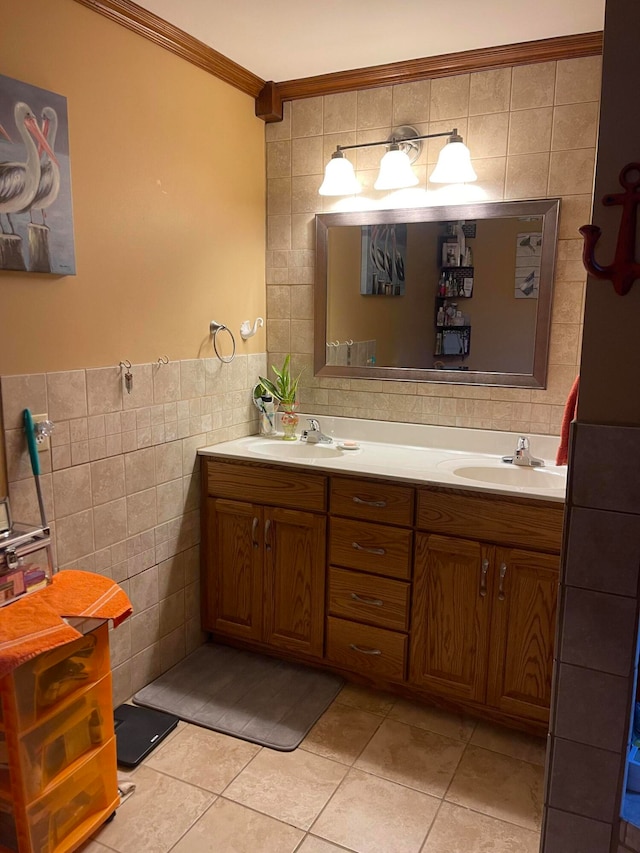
column 250, row 696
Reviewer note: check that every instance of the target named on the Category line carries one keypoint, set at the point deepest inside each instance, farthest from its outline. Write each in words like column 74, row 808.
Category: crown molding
column 166, row 35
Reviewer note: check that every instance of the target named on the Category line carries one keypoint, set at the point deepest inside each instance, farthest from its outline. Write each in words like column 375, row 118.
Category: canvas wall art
column 384, row 259
column 528, row 256
column 36, row 215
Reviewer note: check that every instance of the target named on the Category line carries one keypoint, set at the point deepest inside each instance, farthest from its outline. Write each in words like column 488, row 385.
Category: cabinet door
column 450, row 616
column 294, row 545
column 233, row 603
column 522, row 633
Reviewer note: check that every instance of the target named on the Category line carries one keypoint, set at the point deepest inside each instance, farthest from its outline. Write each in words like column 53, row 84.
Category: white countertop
column 466, row 459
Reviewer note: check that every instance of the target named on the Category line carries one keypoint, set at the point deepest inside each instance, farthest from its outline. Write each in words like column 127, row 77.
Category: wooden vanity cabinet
column 483, row 618
column 265, row 577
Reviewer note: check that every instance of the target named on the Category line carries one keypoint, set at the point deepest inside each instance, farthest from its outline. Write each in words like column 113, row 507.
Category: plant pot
column 289, row 420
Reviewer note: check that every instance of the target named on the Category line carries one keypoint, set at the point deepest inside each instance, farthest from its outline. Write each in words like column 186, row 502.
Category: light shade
column 454, row 164
column 395, row 171
column 339, row 177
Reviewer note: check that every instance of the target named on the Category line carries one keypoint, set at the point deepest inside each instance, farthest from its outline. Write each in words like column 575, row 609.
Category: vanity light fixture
column 404, row 147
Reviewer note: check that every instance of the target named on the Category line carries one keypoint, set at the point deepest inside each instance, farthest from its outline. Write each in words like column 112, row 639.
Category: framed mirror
column 459, row 294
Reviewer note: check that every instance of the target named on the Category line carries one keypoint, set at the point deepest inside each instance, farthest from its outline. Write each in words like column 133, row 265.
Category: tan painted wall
column 168, row 233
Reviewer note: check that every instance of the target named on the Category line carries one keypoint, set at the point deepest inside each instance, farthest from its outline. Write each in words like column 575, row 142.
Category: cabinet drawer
column 285, row 487
column 44, row 682
column 372, row 548
column 369, row 598
column 372, row 501
column 503, row 522
column 361, row 648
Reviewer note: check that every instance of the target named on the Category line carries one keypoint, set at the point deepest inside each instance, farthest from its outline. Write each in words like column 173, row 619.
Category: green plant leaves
column 285, row 388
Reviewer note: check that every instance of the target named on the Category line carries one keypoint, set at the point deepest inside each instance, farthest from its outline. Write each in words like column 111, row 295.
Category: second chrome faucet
column 522, row 455
column 314, row 434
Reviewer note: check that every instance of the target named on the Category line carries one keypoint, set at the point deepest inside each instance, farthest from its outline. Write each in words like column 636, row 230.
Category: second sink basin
column 501, row 473
column 279, row 449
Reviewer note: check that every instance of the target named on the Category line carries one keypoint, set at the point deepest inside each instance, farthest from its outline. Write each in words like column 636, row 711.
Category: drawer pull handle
column 503, row 572
column 376, row 602
column 364, row 651
column 380, row 552
column 483, row 578
column 254, row 530
column 358, row 500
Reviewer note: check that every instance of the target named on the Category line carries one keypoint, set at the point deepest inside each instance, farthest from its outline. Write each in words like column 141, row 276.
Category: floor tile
column 290, row 786
column 433, row 719
column 311, row 844
column 202, row 757
column 93, row 847
column 374, row 701
column 372, row 815
column 509, row 742
column 341, row 733
column 411, row 756
column 499, row 786
column 160, row 811
column 229, row 828
column 458, row 830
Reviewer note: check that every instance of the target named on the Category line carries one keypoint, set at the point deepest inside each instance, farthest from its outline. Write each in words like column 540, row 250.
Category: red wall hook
column 624, row 270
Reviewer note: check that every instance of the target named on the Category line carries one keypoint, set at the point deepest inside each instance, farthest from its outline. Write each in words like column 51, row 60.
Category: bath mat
column 246, row 695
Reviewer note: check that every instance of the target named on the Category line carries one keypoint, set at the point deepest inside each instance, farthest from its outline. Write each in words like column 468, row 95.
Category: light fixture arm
column 396, row 140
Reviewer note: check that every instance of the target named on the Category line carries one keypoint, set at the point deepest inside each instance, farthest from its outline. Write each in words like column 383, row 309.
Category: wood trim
column 166, row 35
column 482, row 59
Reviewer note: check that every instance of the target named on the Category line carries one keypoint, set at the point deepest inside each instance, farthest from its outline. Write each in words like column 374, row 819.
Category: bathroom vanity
column 388, row 566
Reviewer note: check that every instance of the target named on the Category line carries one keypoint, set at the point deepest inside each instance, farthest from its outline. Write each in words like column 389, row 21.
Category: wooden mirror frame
column 549, row 208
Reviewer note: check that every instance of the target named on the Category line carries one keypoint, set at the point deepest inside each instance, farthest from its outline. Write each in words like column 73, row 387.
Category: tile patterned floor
column 376, row 774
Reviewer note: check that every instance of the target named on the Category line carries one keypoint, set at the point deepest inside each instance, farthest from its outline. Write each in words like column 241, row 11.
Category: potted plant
column 284, row 390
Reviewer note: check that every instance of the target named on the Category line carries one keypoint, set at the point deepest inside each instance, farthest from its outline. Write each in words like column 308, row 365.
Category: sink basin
column 501, row 473
column 279, row 449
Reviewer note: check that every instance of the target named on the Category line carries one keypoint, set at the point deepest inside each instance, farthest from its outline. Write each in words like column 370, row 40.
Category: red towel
column 35, row 623
column 569, row 415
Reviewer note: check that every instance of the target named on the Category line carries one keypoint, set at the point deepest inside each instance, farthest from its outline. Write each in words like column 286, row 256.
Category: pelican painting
column 36, row 216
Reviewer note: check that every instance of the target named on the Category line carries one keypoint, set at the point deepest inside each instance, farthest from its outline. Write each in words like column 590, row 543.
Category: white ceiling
column 287, row 39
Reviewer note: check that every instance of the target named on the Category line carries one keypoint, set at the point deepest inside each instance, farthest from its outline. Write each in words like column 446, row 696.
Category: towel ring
column 214, row 328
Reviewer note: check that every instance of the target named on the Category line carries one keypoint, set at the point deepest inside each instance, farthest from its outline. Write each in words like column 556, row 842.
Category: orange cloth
column 568, row 416
column 35, row 623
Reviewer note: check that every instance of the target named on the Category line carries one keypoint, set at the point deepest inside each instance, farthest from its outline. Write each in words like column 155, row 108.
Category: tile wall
column 532, row 133
column 121, row 487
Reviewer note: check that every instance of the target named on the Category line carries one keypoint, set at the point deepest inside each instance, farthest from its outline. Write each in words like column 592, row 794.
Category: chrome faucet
column 314, row 434
column 522, row 455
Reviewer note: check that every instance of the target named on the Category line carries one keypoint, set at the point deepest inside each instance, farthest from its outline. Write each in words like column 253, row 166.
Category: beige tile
column 110, row 521
column 168, row 461
column 449, row 97
column 306, row 117
column 433, row 719
column 141, row 511
column 203, row 757
column 104, row 390
column 72, row 490
column 527, row 175
column 366, row 699
column 279, row 195
column 530, row 131
column 575, row 211
column 145, row 628
column 307, row 157
column 303, row 230
column 171, row 614
column 578, row 80
column 139, row 468
column 571, row 172
column 166, row 382
column 276, row 130
column 567, row 302
column 278, row 335
column 74, row 536
column 66, row 395
column 340, row 112
column 28, row 391
column 107, row 480
column 458, row 830
column 24, row 500
column 533, row 85
column 564, row 343
column 369, row 158
column 311, row 844
column 279, row 232
column 267, row 782
column 487, row 136
column 93, row 847
column 412, row 757
column 145, row 667
column 371, row 815
column 279, row 302
column 302, row 336
column 192, row 381
column 508, row 742
column 304, row 192
column 575, row 126
column 491, row 176
column 278, row 159
column 375, row 108
column 499, row 786
column 141, row 389
column 170, row 500
column 490, row 91
column 301, row 302
column 229, row 828
column 411, row 102
column 341, row 733
column 156, row 816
